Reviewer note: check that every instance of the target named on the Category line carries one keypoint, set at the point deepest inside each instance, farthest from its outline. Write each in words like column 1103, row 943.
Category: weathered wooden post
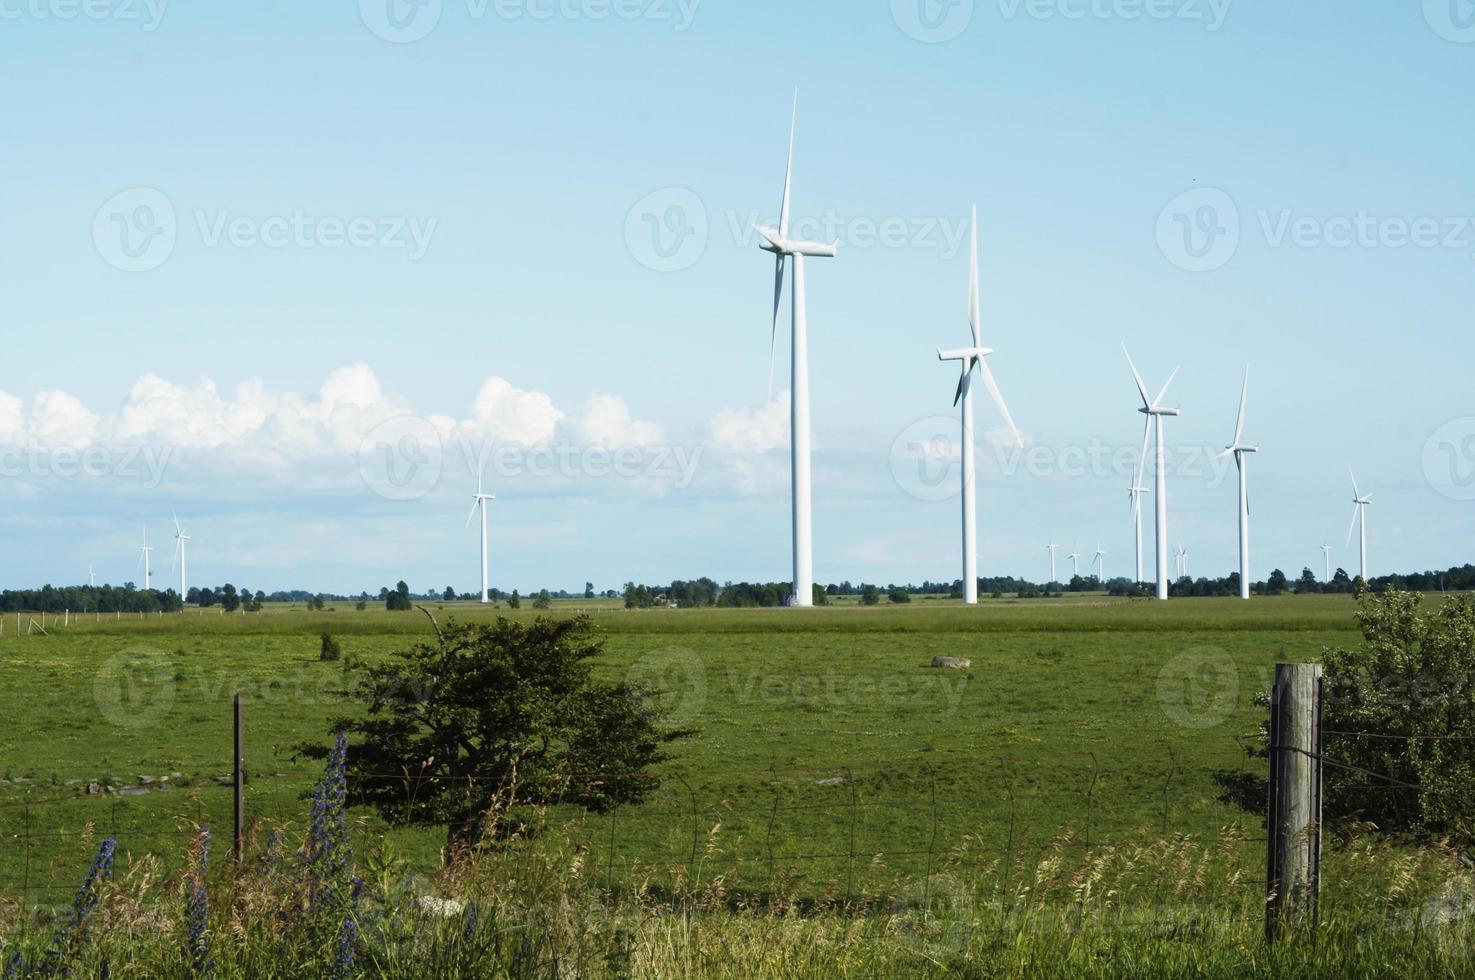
column 1293, row 812
column 238, row 840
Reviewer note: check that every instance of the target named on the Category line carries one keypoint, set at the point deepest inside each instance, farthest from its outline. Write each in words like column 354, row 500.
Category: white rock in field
column 444, row 908
column 952, row 663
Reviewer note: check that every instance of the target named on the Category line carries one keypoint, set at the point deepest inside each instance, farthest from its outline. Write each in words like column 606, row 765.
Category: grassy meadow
column 832, row 764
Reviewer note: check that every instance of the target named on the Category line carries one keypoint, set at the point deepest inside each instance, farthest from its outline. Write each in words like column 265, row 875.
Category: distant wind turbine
column 1100, row 561
column 143, row 557
column 180, row 537
column 1359, row 520
column 1241, row 449
column 1075, row 567
column 1326, row 554
column 1135, row 492
column 91, row 576
column 1155, row 411
column 971, row 359
column 480, row 499
column 1052, row 547
column 778, row 242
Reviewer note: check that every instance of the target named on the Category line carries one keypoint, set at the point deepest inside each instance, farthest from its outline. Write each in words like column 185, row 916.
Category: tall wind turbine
column 1359, row 520
column 1155, row 411
column 91, row 576
column 143, row 557
column 1241, row 449
column 1326, row 554
column 778, row 242
column 1182, row 558
column 480, row 499
column 1100, row 560
column 970, row 359
column 180, row 537
column 1075, row 564
column 1052, row 547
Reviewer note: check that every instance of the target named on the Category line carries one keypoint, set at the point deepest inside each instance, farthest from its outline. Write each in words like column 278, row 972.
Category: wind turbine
column 180, row 537
column 91, row 576
column 1155, row 411
column 1359, row 520
column 1240, row 449
column 1075, row 566
column 969, row 359
column 1100, row 560
column 480, row 499
column 1326, row 554
column 778, row 242
column 1182, row 557
column 1052, row 547
column 1135, row 492
column 143, row 557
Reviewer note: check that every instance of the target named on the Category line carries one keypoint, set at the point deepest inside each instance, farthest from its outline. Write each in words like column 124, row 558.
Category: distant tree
column 1307, row 583
column 514, row 600
column 543, row 601
column 399, row 599
column 486, row 708
column 588, row 590
column 328, row 648
column 1276, row 584
column 449, row 595
column 870, row 595
column 361, row 605
column 229, row 599
column 898, row 594
column 821, row 598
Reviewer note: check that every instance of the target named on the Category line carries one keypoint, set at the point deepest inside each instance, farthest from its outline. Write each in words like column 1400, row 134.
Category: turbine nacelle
column 969, row 354
column 1158, row 410
column 780, row 244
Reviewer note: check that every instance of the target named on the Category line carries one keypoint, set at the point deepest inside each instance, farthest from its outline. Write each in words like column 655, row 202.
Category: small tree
column 329, row 649
column 449, row 595
column 869, row 595
column 399, row 599
column 543, row 601
column 1276, row 583
column 486, row 708
column 514, row 600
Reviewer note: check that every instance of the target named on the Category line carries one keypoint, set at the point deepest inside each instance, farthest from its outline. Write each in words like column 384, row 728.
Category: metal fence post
column 238, row 840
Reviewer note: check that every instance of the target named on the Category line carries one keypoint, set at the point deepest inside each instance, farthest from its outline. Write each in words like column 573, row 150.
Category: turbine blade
column 783, row 214
column 1141, row 388
column 1239, row 422
column 778, row 295
column 1355, row 492
column 1159, row 398
column 993, row 390
column 1352, row 526
column 973, row 308
column 1142, row 459
column 178, row 543
column 965, row 384
column 177, row 528
column 469, row 516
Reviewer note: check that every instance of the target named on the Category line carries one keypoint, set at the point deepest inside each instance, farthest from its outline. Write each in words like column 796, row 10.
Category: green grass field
column 828, row 746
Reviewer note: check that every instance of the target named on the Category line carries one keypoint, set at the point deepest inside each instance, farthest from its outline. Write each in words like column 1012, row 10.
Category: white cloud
column 746, row 431
column 59, row 419
column 605, row 422
column 508, row 414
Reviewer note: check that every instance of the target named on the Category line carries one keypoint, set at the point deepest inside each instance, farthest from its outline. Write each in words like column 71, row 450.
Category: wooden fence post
column 1293, row 810
column 238, row 840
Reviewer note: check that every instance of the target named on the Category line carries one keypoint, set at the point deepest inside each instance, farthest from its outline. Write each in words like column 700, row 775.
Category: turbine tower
column 1241, row 449
column 1100, row 561
column 778, row 242
column 1359, row 520
column 1135, row 492
column 970, row 359
column 1155, row 411
column 1075, row 564
column 91, row 576
column 1326, row 554
column 1052, row 547
column 479, row 500
column 180, row 537
column 143, row 557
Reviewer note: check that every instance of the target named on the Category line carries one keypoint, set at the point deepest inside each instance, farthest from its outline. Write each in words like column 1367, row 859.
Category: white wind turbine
column 180, row 537
column 1155, row 411
column 1182, row 557
column 1326, row 554
column 91, row 576
column 1359, row 520
column 970, row 359
column 1052, row 547
column 143, row 557
column 1135, row 492
column 1100, row 560
column 778, row 242
column 480, row 499
column 1075, row 564
column 1241, row 449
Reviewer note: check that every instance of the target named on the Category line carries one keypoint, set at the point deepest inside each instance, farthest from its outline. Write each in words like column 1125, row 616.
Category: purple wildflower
column 197, row 909
column 343, row 957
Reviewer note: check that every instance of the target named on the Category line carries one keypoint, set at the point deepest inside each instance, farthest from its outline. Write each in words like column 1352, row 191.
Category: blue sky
column 500, row 176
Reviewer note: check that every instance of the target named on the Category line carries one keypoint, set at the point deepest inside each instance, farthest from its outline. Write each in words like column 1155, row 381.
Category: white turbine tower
column 1326, row 554
column 480, row 499
column 1359, row 520
column 1100, row 560
column 1241, row 449
column 180, row 537
column 970, row 359
column 1052, row 547
column 778, row 242
column 1155, row 411
column 1181, row 556
column 143, row 557
column 1075, row 564
column 91, row 576
column 1135, row 492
